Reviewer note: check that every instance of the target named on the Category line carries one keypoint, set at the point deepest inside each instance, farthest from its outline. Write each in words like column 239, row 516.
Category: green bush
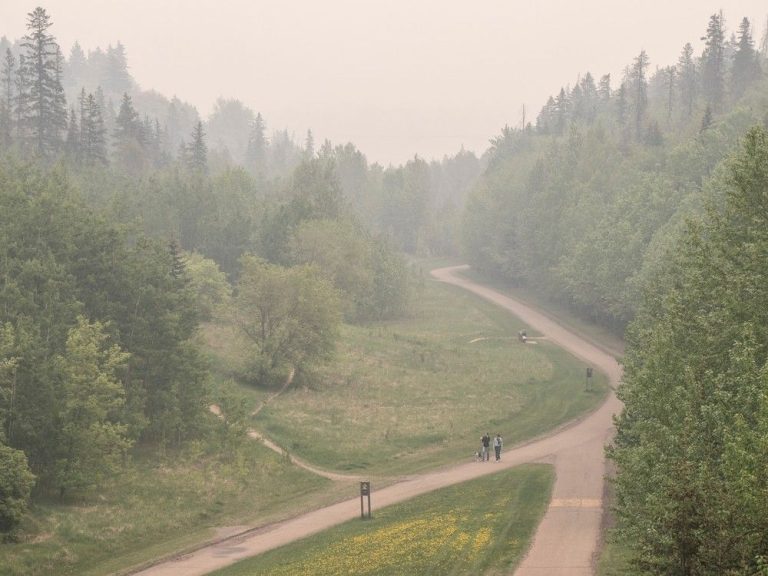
column 16, row 483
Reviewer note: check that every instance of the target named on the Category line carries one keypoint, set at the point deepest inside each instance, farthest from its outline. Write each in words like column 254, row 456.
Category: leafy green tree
column 93, row 440
column 209, row 284
column 690, row 444
column 229, row 128
column 289, row 315
column 343, row 253
column 16, row 483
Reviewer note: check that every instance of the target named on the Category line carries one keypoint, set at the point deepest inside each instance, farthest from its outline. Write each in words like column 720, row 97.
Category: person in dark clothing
column 486, row 442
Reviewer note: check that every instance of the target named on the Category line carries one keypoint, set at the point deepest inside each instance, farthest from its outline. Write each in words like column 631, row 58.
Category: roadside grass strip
column 482, row 527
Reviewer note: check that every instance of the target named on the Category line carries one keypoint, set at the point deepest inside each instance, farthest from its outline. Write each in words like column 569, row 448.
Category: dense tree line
column 118, row 236
column 692, row 442
column 586, row 204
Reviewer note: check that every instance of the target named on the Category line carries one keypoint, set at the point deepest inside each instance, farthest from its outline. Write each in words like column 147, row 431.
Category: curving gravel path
column 568, row 537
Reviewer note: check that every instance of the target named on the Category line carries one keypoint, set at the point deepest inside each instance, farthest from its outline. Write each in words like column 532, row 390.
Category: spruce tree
column 45, row 117
column 604, row 88
column 21, row 102
column 197, row 154
column 7, row 98
column 686, row 70
column 72, row 142
column 92, row 132
column 639, row 89
column 745, row 64
column 713, row 62
column 257, row 146
column 309, row 146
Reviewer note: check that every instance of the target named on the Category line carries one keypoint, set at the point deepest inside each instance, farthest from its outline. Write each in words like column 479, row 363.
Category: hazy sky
column 396, row 77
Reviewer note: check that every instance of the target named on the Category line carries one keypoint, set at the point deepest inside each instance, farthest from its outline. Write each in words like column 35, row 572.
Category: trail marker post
column 589, row 379
column 365, row 491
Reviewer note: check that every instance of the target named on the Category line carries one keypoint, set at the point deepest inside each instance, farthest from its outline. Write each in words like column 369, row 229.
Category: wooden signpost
column 365, row 491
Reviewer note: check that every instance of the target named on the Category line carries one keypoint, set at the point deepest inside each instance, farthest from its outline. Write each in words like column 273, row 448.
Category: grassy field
column 154, row 508
column 479, row 527
column 415, row 394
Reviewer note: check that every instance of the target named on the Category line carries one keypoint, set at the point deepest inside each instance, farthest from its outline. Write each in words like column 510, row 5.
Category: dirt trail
column 567, row 538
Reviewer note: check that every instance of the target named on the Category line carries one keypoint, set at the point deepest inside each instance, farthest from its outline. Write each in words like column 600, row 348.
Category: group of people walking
column 485, row 445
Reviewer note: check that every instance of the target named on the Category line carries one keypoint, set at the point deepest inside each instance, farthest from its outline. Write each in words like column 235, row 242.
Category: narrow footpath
column 568, row 537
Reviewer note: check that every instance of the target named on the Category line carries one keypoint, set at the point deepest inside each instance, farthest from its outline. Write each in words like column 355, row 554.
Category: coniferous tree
column 670, row 73
column 197, row 154
column 77, row 66
column 7, row 98
column 639, row 89
column 21, row 103
column 686, row 67
column 604, row 88
column 117, row 79
column 256, row 155
column 562, row 107
column 309, row 145
column 72, row 142
column 130, row 136
column 46, row 117
column 746, row 67
column 621, row 104
column 713, row 62
column 93, row 146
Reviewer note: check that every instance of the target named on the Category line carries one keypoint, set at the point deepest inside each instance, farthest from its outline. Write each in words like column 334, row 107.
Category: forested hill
column 586, row 204
column 126, row 221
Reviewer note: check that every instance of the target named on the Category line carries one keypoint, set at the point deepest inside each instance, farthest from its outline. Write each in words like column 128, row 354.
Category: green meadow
column 410, row 395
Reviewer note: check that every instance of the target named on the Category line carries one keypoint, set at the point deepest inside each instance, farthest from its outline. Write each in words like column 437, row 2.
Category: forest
column 127, row 221
column 641, row 204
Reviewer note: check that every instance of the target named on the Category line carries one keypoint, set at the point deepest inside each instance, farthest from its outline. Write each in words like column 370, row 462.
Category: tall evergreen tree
column 197, row 153
column 7, row 98
column 309, row 145
column 93, row 146
column 670, row 74
column 746, row 67
column 77, row 66
column 130, row 137
column 256, row 155
column 21, row 102
column 72, row 142
column 639, row 89
column 116, row 78
column 713, row 62
column 686, row 70
column 604, row 88
column 46, row 117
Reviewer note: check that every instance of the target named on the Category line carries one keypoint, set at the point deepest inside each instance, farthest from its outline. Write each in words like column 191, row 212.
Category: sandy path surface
column 568, row 536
